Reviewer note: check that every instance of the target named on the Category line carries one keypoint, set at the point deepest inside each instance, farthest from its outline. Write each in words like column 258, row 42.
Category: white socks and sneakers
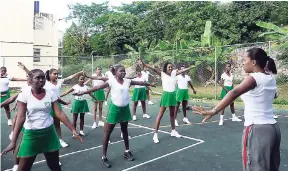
column 144, row 116
column 63, row 143
column 234, row 119
column 185, row 120
column 9, row 122
column 173, row 133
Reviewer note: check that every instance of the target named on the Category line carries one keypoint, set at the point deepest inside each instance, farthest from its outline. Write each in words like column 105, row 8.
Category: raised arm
column 96, row 77
column 151, row 67
column 67, row 92
column 22, row 66
column 183, row 70
column 72, row 76
column 18, row 79
column 87, row 81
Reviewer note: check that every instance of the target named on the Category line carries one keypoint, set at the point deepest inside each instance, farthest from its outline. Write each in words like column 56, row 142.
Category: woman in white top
column 39, row 135
column 168, row 99
column 182, row 95
column 261, row 136
column 80, row 105
column 119, row 111
column 5, row 91
column 100, row 98
column 54, row 84
column 227, row 85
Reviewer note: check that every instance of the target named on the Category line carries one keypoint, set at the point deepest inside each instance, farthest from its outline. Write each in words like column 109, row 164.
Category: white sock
column 11, row 132
column 221, row 117
column 234, row 115
column 103, row 157
column 156, row 134
column 126, row 151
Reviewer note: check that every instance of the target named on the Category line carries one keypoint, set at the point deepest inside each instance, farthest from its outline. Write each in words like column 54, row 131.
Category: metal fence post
column 215, row 70
column 92, row 60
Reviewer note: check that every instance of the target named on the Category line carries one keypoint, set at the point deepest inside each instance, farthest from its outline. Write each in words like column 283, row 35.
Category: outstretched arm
column 10, row 100
column 101, row 86
column 184, row 70
column 72, row 76
column 64, row 102
column 96, row 77
column 141, row 83
column 67, row 92
column 151, row 67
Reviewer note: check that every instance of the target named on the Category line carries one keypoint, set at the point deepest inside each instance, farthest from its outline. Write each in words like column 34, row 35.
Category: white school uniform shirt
column 38, row 111
column 142, row 79
column 183, row 81
column 4, row 83
column 119, row 92
column 97, row 82
column 228, row 80
column 258, row 102
column 78, row 89
column 169, row 82
column 109, row 75
column 145, row 75
column 55, row 88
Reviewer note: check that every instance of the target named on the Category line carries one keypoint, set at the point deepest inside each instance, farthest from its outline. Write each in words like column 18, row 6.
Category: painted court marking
column 87, row 149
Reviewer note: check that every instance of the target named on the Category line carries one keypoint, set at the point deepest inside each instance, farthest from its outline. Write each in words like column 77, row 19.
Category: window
column 36, row 55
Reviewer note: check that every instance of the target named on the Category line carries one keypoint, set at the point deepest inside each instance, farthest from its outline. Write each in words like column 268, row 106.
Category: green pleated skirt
column 223, row 92
column 5, row 95
column 168, row 99
column 35, row 142
column 139, row 94
column 182, row 94
column 80, row 106
column 100, row 96
column 118, row 114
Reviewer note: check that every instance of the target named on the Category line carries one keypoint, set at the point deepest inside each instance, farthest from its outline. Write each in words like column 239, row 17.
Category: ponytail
column 47, row 75
column 271, row 66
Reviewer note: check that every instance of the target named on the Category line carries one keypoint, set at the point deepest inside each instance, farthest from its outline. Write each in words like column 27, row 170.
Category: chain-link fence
column 209, row 64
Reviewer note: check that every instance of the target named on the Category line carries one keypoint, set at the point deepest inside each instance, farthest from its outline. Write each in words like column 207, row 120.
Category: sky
column 60, row 10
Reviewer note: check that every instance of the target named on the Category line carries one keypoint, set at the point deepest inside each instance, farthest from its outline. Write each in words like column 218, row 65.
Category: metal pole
column 215, row 70
column 92, row 64
column 62, row 62
column 269, row 48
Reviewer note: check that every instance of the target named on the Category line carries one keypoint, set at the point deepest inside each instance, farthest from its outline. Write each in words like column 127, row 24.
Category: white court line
column 140, row 126
column 157, row 158
column 87, row 149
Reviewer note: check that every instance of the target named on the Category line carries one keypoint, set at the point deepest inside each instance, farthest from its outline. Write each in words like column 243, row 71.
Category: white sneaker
column 9, row 122
column 105, row 103
column 139, row 104
column 60, row 164
column 82, row 133
column 128, row 136
column 94, row 125
column 236, row 119
column 63, row 143
column 275, row 117
column 134, row 117
column 174, row 133
column 15, row 168
column 155, row 139
column 146, row 116
column 11, row 135
column 185, row 120
column 221, row 122
column 150, row 102
column 100, row 123
column 176, row 123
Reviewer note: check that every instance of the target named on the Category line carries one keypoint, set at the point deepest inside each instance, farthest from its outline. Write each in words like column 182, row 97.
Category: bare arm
column 141, row 83
column 246, row 85
column 183, row 70
column 21, row 117
column 190, row 83
column 63, row 102
column 221, row 83
column 92, row 96
column 101, row 86
column 108, row 92
column 18, row 79
column 152, row 68
column 67, row 92
column 72, row 76
column 22, row 66
column 87, row 81
column 97, row 78
column 10, row 100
